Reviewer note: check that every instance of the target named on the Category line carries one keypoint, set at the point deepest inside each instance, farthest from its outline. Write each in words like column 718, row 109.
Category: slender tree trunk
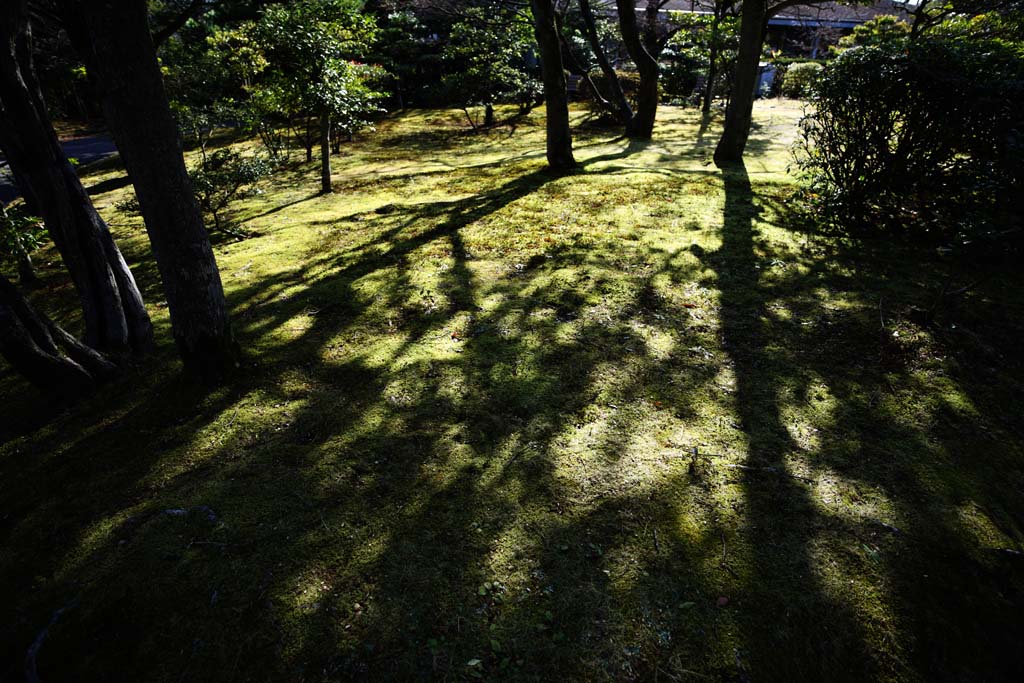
column 113, row 39
column 616, row 95
column 556, row 92
column 26, row 271
column 641, row 126
column 741, row 101
column 709, row 86
column 325, row 153
column 115, row 317
column 35, row 347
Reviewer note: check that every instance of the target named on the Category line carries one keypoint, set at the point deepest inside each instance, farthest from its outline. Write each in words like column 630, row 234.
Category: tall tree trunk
column 115, row 317
column 556, row 92
column 741, row 100
column 616, row 95
column 35, row 347
column 325, row 153
column 641, row 126
column 113, row 38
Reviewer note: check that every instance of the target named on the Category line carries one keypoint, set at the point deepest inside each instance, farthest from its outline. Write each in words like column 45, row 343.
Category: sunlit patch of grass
column 629, row 423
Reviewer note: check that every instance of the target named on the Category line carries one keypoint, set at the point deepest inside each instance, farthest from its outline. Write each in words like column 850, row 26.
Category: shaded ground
column 628, row 424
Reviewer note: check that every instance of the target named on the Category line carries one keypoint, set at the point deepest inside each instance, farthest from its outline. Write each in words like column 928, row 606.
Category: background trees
column 485, row 62
column 309, row 49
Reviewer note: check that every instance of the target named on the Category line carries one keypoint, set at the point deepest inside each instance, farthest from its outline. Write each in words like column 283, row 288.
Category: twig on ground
column 724, row 564
column 31, row 671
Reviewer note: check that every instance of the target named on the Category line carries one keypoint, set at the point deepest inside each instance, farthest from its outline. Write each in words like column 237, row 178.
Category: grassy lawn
column 627, row 424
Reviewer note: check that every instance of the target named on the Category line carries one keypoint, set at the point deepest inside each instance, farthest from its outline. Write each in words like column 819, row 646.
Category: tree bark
column 556, row 92
column 641, row 126
column 112, row 37
column 33, row 345
column 325, row 153
column 738, row 115
column 616, row 95
column 115, row 317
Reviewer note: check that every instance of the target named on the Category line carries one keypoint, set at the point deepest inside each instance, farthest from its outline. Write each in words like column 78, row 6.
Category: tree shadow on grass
column 497, row 485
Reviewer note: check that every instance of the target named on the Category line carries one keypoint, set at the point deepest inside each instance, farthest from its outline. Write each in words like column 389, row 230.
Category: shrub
column 20, row 235
column 679, row 77
column 222, row 177
column 921, row 139
column 799, row 78
column 630, row 81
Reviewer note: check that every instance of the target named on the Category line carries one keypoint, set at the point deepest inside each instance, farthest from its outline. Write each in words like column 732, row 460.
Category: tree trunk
column 709, row 86
column 616, row 95
column 113, row 38
column 325, row 153
column 115, row 317
column 26, row 271
column 741, row 101
column 641, row 126
column 32, row 344
column 488, row 115
column 556, row 92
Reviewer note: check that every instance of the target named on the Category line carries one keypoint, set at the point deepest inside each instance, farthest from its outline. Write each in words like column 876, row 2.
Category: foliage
column 882, row 30
column 20, row 234
column 799, row 79
column 409, row 55
column 485, row 61
column 918, row 138
column 630, row 81
column 311, row 48
column 690, row 51
column 679, row 76
column 222, row 177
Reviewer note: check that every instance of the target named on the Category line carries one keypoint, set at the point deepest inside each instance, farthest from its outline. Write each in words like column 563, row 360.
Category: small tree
column 20, row 235
column 309, row 48
column 221, row 178
column 485, row 61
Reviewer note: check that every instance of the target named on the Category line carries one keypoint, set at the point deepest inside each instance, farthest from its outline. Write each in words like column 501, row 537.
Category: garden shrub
column 680, row 75
column 798, row 79
column 630, row 81
column 921, row 139
column 222, row 177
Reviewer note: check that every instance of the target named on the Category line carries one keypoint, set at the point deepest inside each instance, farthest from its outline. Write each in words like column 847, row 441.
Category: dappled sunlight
column 623, row 424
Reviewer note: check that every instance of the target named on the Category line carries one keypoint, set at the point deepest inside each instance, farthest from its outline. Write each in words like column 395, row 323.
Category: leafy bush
column 20, row 235
column 918, row 138
column 680, row 76
column 799, row 78
column 630, row 81
column 884, row 29
column 222, row 177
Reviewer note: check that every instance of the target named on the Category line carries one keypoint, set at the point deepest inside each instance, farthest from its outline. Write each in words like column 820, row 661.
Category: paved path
column 86, row 150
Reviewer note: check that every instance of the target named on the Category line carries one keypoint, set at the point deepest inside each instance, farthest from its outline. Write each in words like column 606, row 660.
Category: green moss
column 628, row 423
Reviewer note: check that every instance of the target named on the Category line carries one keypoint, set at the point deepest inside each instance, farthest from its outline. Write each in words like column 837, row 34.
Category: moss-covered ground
column 631, row 423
